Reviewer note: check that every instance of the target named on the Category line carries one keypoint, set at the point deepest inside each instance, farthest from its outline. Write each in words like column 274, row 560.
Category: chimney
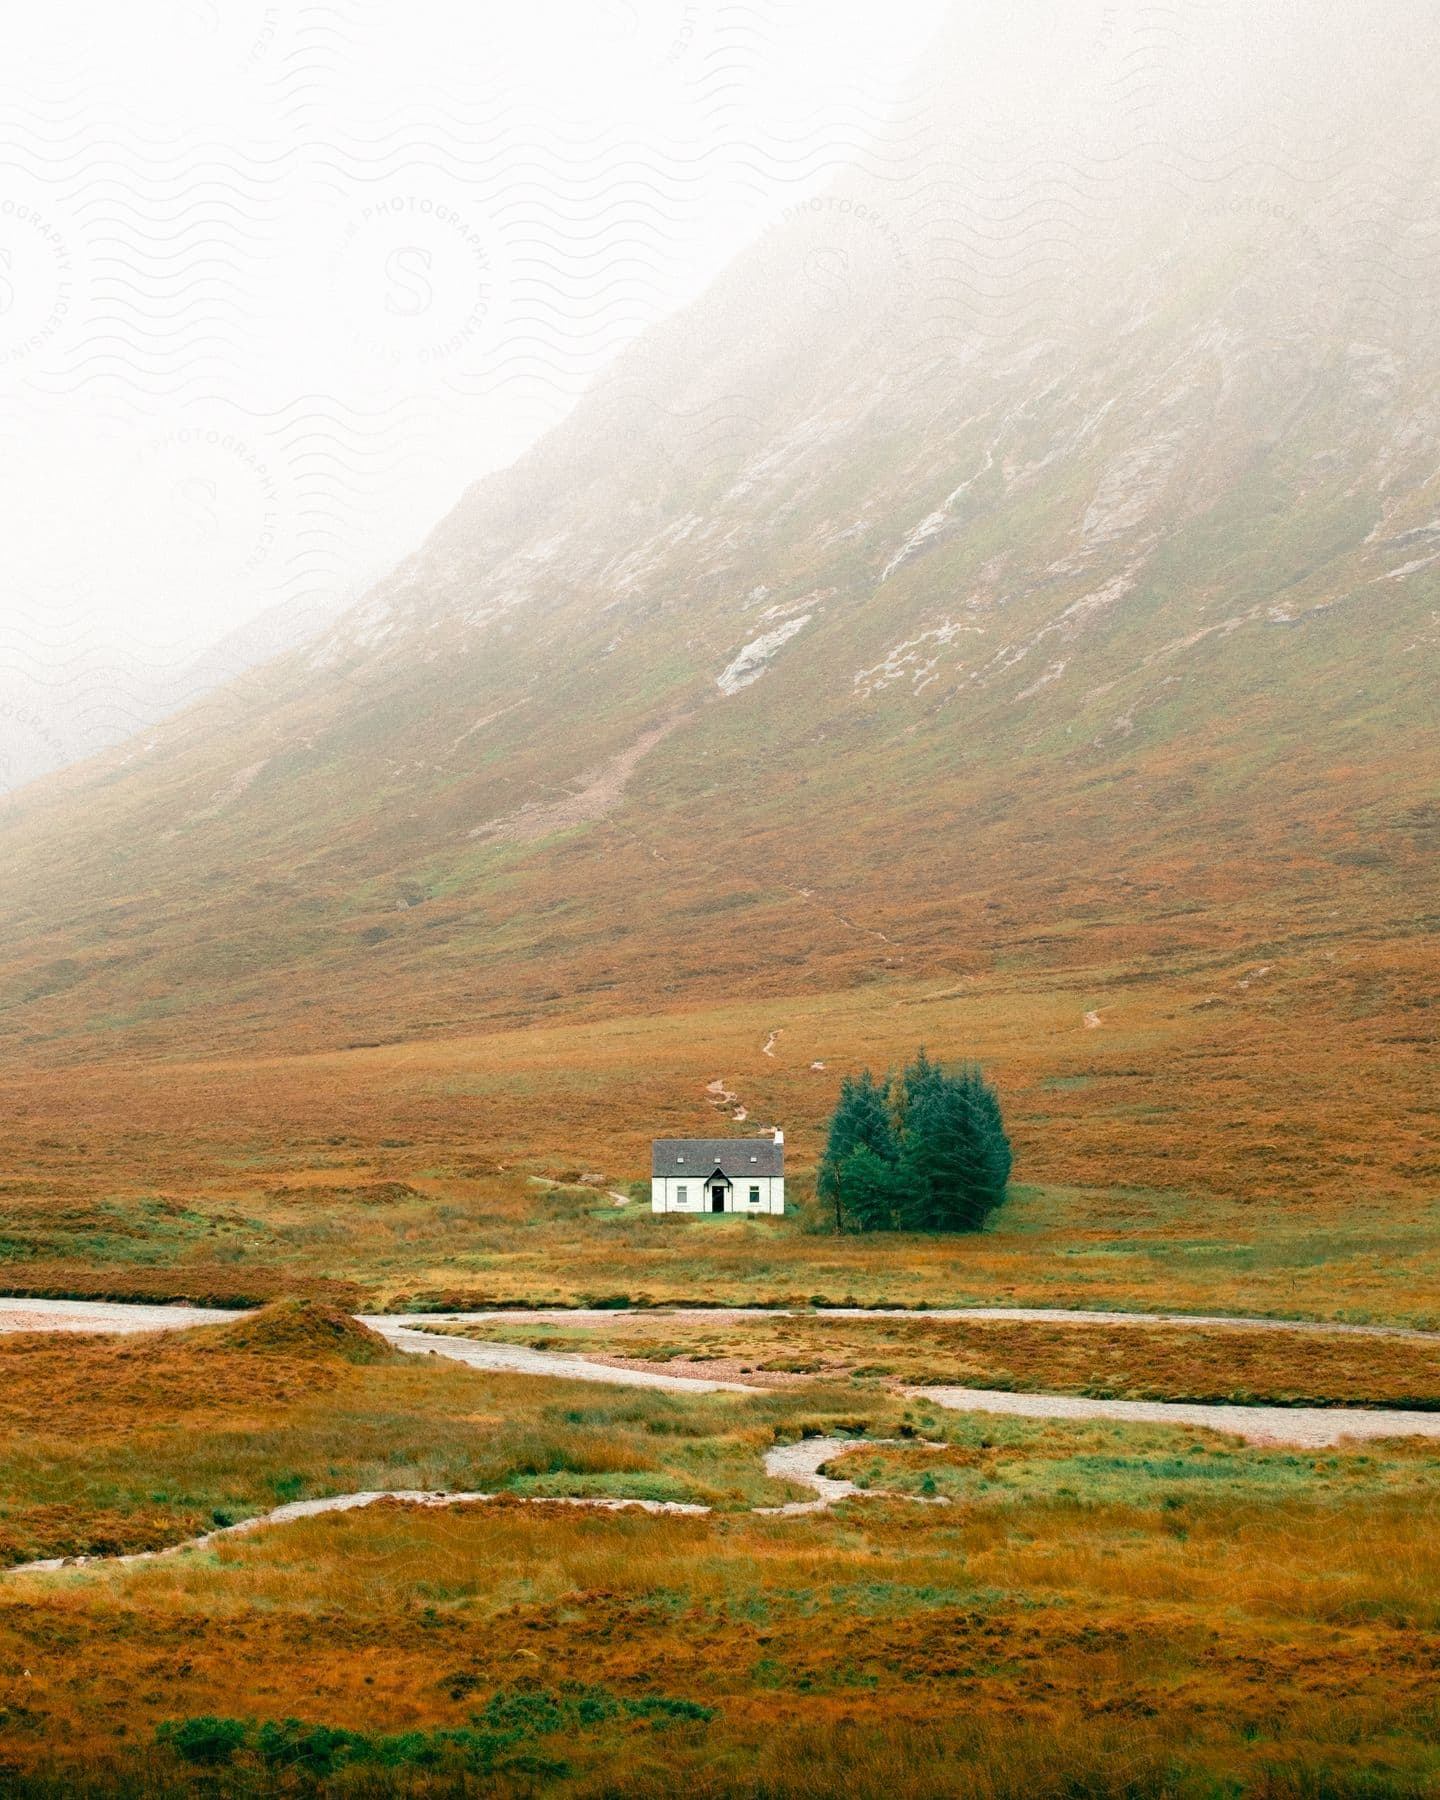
column 779, row 1135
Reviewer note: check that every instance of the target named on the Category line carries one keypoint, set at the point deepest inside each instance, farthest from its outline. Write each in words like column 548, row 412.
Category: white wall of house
column 691, row 1193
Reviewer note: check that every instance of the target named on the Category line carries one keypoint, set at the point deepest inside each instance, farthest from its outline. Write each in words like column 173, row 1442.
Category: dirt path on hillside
column 594, row 793
column 722, row 1098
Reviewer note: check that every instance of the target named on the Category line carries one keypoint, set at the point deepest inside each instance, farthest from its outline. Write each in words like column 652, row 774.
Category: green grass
column 999, row 1461
column 1039, row 1632
column 153, row 1471
column 457, row 1238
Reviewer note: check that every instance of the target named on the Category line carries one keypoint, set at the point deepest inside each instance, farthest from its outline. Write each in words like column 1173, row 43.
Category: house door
column 717, row 1199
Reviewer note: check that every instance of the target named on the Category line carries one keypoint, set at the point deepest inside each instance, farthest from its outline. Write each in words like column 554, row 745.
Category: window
column 754, row 1194
column 682, row 1194
column 679, row 1159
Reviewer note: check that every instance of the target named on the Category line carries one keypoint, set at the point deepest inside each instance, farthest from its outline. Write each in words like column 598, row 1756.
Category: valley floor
column 1248, row 1157
column 1108, row 1605
column 1105, row 1605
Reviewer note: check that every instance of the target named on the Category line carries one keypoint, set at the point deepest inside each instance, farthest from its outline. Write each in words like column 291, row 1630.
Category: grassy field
column 121, row 1444
column 1102, row 1610
column 1178, row 1155
column 441, row 1237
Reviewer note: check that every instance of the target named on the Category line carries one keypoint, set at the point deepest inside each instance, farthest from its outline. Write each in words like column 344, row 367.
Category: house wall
column 664, row 1194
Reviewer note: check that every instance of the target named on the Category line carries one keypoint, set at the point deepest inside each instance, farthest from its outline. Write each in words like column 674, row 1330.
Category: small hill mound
column 303, row 1328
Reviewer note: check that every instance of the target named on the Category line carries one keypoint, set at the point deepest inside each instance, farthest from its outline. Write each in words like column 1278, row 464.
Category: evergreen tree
column 918, row 1078
column 871, row 1185
column 860, row 1121
column 921, row 1136
column 947, row 1154
column 924, row 1152
column 996, row 1159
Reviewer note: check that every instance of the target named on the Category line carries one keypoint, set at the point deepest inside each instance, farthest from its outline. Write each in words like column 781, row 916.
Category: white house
column 718, row 1175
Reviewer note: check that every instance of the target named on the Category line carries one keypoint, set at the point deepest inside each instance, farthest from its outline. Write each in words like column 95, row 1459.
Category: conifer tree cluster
column 922, row 1151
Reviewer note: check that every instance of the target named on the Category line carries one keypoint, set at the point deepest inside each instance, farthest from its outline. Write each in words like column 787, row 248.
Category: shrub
column 208, row 1742
column 316, row 1749
column 509, row 1720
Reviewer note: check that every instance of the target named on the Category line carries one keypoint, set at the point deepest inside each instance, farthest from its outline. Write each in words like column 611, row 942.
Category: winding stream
column 801, row 1463
column 1310, row 1427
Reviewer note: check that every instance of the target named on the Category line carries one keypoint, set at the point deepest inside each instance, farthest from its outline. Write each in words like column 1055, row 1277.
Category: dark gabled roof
column 738, row 1157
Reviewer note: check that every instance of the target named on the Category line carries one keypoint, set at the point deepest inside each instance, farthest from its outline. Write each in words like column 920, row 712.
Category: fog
column 276, row 283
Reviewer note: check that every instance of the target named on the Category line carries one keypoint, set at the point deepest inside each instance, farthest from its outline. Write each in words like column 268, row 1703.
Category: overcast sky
column 276, row 283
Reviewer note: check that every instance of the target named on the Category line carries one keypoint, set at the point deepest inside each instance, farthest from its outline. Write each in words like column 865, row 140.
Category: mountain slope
column 1023, row 562
column 54, row 715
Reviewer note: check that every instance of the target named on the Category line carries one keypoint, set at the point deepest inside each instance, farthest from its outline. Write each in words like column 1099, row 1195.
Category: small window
column 679, row 1159
column 754, row 1159
column 682, row 1194
column 754, row 1195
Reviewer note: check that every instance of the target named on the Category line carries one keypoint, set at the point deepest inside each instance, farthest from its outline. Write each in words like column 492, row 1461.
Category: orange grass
column 1139, row 1610
column 119, row 1444
column 1201, row 1160
column 904, row 1641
